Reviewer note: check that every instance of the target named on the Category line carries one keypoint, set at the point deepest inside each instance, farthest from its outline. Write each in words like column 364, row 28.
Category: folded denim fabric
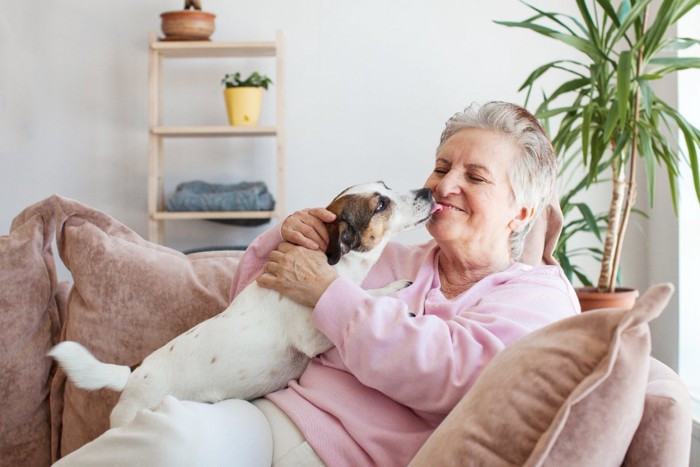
column 202, row 196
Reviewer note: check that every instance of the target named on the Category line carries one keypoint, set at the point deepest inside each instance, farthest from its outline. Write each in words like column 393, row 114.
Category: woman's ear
column 520, row 221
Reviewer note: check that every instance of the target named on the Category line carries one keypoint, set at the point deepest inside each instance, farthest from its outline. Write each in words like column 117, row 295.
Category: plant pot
column 591, row 299
column 187, row 25
column 243, row 105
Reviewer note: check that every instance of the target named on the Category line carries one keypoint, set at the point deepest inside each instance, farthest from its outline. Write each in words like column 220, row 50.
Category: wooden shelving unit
column 157, row 52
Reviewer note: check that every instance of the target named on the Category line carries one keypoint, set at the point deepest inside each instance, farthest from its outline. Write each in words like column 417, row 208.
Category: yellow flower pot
column 243, row 105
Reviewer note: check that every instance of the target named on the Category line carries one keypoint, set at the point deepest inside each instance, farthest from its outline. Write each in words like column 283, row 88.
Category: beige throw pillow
column 29, row 321
column 569, row 394
column 129, row 297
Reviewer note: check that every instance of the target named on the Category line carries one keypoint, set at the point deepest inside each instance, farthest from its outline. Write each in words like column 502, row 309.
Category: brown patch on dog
column 213, row 359
column 359, row 225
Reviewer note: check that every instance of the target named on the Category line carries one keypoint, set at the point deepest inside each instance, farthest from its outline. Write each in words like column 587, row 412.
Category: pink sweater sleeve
column 428, row 362
column 254, row 258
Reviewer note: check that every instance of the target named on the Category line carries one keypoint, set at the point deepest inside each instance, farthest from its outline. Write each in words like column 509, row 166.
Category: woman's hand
column 298, row 273
column 307, row 228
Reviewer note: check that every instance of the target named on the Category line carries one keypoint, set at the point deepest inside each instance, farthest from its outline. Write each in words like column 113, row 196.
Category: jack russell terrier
column 262, row 340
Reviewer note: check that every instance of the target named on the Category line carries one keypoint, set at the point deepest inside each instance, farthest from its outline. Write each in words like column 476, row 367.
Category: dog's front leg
column 390, row 288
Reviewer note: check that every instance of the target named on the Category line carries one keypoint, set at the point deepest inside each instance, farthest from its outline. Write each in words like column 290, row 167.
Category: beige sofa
column 583, row 391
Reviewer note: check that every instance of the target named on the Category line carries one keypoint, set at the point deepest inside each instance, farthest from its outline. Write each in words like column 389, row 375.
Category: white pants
column 189, row 434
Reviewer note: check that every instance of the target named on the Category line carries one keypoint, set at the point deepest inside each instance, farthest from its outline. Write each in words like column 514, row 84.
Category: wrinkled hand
column 307, row 228
column 298, row 273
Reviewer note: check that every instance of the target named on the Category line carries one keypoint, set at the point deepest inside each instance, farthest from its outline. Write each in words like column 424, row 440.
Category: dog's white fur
column 262, row 340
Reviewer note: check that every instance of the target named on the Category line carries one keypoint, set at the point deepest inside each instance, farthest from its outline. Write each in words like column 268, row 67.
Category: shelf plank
column 180, row 215
column 194, row 49
column 189, row 131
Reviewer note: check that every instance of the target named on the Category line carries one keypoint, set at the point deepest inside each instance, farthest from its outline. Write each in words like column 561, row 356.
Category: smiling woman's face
column 470, row 181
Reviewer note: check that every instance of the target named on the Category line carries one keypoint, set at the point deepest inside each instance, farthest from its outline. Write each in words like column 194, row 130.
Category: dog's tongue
column 436, row 208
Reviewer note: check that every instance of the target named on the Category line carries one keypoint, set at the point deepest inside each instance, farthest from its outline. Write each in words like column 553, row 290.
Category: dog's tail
column 85, row 371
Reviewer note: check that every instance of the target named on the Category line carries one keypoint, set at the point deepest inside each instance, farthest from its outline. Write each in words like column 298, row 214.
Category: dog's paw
column 391, row 288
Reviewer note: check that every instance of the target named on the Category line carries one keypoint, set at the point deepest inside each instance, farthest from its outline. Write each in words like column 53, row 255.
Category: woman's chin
column 439, row 229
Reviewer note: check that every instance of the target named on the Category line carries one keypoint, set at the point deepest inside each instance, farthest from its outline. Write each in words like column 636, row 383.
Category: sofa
column 582, row 391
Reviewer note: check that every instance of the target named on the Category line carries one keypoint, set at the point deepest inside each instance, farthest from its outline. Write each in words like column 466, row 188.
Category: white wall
column 369, row 86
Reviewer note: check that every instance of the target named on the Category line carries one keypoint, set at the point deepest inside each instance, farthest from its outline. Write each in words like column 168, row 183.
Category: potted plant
column 244, row 97
column 189, row 24
column 610, row 117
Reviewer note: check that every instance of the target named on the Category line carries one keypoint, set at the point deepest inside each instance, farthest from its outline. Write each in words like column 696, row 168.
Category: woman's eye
column 475, row 179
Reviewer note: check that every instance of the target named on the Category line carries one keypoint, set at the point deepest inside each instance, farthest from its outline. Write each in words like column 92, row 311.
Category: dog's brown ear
column 342, row 238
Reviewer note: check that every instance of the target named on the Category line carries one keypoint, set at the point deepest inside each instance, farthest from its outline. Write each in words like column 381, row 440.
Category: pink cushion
column 29, row 322
column 569, row 394
column 129, row 297
column 665, row 432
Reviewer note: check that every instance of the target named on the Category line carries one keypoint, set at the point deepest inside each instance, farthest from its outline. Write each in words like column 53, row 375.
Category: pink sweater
column 392, row 377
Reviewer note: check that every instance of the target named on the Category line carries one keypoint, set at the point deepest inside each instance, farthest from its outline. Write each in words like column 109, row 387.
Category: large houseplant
column 609, row 116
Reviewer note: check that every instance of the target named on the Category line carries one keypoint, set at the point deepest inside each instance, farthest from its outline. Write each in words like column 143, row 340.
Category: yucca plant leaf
column 591, row 27
column 609, row 11
column 569, row 86
column 554, row 17
column 628, row 18
column 651, row 40
column 539, row 71
column 590, row 219
column 586, row 130
column 672, row 186
column 624, row 71
column 623, row 10
column 685, row 8
column 692, row 142
column 576, row 42
column 647, row 95
column 552, row 112
column 647, row 154
column 679, row 43
column 581, row 277
column 611, row 121
column 672, row 64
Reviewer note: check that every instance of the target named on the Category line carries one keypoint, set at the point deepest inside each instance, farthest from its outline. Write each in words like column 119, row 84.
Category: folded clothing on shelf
column 202, row 196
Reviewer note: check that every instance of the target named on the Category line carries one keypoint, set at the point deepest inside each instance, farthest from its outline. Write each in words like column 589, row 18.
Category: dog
column 262, row 340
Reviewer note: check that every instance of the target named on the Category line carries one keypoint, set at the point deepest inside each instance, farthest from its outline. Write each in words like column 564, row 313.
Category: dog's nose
column 424, row 193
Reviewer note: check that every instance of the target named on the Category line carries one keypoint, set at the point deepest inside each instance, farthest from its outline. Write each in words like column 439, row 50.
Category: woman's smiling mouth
column 448, row 206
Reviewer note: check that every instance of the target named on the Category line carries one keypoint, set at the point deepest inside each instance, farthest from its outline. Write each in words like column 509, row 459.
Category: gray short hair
column 533, row 175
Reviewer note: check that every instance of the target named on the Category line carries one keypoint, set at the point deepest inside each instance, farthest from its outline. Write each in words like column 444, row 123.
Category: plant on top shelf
column 193, row 4
column 255, row 80
column 188, row 24
column 610, row 118
column 244, row 97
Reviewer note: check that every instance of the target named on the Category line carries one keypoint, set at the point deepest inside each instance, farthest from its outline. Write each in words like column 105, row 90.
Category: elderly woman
column 402, row 362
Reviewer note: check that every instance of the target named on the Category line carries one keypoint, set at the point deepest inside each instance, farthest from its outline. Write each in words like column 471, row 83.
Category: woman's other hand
column 298, row 273
column 307, row 228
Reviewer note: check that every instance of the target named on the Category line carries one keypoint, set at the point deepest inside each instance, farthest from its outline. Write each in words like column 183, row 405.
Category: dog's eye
column 382, row 203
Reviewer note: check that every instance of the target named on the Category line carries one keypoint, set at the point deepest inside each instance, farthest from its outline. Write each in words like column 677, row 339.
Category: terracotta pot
column 591, row 299
column 187, row 25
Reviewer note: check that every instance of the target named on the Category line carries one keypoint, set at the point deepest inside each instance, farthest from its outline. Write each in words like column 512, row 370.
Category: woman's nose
column 448, row 185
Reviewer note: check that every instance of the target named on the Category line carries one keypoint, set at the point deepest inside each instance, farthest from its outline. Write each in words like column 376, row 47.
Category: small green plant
column 255, row 80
